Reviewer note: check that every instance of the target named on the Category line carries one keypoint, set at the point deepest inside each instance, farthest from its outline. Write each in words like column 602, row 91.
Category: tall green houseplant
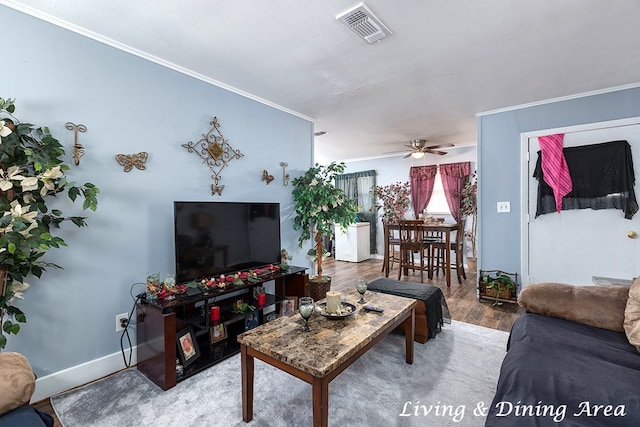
column 32, row 173
column 319, row 205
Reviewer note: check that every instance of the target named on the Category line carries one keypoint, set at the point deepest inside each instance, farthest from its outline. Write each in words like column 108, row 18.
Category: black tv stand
column 160, row 321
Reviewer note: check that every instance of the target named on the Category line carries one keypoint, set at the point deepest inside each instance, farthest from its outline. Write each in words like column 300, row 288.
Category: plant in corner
column 469, row 207
column 318, row 206
column 32, row 173
column 396, row 199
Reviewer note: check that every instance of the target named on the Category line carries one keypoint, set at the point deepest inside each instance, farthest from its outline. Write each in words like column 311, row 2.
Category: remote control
column 372, row 308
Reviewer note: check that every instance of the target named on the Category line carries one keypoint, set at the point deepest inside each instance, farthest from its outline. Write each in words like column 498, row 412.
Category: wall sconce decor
column 216, row 152
column 128, row 161
column 267, row 177
column 285, row 175
column 78, row 150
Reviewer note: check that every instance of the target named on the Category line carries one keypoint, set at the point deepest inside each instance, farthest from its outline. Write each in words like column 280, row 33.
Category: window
column 438, row 203
column 357, row 186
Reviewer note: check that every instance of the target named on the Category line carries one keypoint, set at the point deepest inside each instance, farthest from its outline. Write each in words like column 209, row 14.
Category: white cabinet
column 354, row 245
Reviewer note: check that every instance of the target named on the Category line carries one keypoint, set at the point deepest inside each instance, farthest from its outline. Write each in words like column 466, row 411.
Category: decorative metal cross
column 216, row 152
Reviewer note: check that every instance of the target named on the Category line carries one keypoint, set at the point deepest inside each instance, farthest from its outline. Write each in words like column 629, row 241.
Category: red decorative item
column 262, row 299
column 215, row 313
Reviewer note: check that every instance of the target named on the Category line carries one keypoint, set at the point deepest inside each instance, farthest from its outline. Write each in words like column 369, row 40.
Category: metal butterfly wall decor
column 129, row 161
column 267, row 177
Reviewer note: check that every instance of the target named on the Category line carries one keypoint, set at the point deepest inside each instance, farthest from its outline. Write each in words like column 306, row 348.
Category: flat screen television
column 214, row 238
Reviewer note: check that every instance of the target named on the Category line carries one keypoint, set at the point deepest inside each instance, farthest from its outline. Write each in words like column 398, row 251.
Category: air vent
column 364, row 23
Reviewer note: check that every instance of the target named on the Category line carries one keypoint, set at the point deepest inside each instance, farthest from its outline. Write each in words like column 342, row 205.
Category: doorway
column 575, row 245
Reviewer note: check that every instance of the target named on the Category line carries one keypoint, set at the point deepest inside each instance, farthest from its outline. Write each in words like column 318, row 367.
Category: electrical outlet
column 121, row 321
column 504, row 207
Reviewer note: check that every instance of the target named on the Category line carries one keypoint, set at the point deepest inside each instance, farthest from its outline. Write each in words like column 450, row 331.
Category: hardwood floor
column 461, row 299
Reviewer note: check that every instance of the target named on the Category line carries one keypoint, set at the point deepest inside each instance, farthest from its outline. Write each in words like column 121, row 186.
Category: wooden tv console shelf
column 159, row 322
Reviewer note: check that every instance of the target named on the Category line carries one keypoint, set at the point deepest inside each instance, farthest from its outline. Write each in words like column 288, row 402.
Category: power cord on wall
column 125, row 332
column 140, row 318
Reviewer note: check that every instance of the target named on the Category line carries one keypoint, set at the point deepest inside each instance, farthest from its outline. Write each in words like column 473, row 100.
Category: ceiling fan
column 419, row 148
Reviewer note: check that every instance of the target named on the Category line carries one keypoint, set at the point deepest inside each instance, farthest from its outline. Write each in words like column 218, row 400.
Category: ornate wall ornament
column 216, row 152
column 128, row 161
column 285, row 175
column 78, row 150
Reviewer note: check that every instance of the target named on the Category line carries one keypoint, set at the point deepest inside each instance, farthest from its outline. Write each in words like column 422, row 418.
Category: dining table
column 428, row 227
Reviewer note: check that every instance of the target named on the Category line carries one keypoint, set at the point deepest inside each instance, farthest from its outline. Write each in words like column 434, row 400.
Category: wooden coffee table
column 318, row 356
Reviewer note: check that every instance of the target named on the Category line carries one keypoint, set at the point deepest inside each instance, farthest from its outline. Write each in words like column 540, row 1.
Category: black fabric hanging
column 602, row 175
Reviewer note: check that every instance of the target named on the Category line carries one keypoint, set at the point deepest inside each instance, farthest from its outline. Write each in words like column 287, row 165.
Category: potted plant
column 469, row 207
column 396, row 199
column 319, row 206
column 32, row 173
column 498, row 285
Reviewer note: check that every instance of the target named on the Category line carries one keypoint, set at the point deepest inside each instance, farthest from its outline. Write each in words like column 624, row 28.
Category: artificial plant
column 396, row 200
column 501, row 282
column 32, row 174
column 319, row 204
column 469, row 207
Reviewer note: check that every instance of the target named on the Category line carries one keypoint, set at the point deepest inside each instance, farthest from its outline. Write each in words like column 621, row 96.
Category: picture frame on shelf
column 251, row 320
column 289, row 305
column 188, row 350
column 217, row 333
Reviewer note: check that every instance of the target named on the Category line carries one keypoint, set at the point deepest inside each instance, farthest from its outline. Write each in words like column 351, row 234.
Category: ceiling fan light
column 417, row 154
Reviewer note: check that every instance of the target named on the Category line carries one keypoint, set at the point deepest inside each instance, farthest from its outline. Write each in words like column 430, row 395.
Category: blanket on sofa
column 559, row 372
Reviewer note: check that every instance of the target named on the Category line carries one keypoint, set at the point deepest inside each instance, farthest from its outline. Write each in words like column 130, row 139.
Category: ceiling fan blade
column 441, row 153
column 441, row 146
column 408, row 155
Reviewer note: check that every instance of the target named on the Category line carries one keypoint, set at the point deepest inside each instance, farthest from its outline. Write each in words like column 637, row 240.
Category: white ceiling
column 446, row 61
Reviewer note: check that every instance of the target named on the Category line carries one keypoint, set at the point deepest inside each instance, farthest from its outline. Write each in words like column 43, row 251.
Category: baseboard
column 81, row 374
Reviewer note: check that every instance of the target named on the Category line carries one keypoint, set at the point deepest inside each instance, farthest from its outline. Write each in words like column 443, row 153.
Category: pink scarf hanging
column 554, row 167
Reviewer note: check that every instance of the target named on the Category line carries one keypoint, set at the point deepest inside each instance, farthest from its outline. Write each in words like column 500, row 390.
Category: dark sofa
column 569, row 361
column 26, row 416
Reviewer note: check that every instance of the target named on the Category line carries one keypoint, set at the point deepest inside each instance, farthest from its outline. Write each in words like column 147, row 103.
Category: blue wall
column 129, row 105
column 500, row 162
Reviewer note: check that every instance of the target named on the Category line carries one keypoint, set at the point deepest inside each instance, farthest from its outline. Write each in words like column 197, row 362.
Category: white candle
column 334, row 300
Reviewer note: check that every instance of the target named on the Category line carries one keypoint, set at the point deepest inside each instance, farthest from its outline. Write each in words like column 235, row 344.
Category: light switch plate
column 504, row 207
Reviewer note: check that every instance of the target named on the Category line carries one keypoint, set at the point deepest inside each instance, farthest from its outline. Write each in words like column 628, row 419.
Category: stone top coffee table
column 318, row 356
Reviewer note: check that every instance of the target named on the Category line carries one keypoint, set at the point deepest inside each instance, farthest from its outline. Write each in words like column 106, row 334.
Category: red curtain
column 422, row 179
column 454, row 175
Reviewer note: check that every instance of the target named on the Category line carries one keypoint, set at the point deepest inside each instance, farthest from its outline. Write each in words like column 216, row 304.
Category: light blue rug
column 452, row 378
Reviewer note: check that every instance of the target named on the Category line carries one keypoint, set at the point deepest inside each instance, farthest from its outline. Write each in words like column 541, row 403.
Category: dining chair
column 432, row 238
column 391, row 242
column 412, row 241
column 457, row 247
